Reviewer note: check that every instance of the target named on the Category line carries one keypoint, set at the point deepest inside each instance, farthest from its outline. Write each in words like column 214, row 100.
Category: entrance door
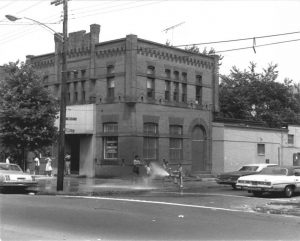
column 74, row 144
column 199, row 153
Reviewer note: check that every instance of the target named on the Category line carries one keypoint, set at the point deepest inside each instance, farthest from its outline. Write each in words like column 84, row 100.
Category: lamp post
column 62, row 119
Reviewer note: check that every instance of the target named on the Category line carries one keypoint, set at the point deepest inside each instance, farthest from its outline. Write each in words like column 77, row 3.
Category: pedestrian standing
column 7, row 161
column 68, row 164
column 36, row 165
column 180, row 175
column 136, row 168
column 148, row 174
column 48, row 168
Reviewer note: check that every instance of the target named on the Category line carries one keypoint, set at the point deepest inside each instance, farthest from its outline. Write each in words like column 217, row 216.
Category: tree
column 28, row 111
column 196, row 49
column 256, row 96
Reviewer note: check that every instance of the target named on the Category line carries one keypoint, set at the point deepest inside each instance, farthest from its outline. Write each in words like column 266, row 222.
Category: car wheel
column 257, row 193
column 233, row 186
column 289, row 191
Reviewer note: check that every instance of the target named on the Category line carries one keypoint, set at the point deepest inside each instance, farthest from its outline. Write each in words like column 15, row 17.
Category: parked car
column 12, row 176
column 284, row 179
column 230, row 178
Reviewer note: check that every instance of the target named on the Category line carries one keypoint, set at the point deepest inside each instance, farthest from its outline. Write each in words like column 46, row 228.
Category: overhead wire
column 116, row 10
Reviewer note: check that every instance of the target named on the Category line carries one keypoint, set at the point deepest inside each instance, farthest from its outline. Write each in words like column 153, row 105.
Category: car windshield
column 9, row 167
column 274, row 171
column 248, row 168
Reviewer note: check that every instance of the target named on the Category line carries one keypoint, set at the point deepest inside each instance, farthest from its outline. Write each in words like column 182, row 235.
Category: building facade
column 130, row 97
column 236, row 144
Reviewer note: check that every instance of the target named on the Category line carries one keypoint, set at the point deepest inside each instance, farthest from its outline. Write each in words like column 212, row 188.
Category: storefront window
column 110, row 142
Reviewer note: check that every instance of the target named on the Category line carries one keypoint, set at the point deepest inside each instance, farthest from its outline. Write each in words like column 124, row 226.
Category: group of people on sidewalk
column 37, row 164
column 48, row 166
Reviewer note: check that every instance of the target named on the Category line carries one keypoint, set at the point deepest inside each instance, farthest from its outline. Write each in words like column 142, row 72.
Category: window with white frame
column 261, row 149
column 110, row 140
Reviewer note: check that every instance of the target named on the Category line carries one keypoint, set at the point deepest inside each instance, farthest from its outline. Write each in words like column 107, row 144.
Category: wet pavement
column 204, row 191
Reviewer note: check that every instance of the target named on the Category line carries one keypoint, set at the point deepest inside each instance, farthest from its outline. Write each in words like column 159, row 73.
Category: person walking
column 48, row 168
column 68, row 164
column 36, row 165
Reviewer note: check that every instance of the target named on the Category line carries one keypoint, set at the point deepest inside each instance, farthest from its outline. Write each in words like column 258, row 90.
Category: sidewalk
column 82, row 186
column 74, row 185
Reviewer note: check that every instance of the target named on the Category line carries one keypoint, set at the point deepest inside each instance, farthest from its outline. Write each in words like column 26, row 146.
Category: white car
column 284, row 179
column 12, row 176
column 230, row 178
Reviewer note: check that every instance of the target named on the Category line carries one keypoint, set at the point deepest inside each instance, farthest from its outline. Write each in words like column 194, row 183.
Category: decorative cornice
column 111, row 52
column 168, row 55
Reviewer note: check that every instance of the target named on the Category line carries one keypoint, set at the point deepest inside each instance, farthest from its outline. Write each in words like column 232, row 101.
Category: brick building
column 130, row 97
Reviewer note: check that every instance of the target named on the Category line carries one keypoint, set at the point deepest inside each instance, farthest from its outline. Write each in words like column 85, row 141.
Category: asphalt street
column 90, row 209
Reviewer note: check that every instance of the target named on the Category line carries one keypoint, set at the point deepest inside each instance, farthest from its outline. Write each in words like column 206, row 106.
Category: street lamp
column 14, row 18
column 62, row 119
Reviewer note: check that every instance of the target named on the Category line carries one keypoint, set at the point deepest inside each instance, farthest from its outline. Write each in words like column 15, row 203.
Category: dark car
column 230, row 178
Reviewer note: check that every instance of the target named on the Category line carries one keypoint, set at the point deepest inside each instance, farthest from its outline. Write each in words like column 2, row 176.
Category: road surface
column 145, row 217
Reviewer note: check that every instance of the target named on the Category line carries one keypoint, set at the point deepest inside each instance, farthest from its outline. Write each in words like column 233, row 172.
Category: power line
column 261, row 45
column 121, row 9
column 236, row 40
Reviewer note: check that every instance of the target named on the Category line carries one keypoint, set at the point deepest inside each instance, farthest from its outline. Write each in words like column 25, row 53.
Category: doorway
column 73, row 147
column 199, row 149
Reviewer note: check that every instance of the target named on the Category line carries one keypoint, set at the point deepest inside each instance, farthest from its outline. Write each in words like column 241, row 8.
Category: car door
column 297, row 178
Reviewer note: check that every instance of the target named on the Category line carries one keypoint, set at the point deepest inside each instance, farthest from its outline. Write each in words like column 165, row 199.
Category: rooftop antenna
column 172, row 28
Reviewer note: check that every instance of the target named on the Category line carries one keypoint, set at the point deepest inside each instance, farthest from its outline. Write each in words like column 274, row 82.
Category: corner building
column 130, row 97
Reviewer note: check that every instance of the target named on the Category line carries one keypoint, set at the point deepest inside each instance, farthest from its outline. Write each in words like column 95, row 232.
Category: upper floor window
column 111, row 87
column 150, row 70
column 290, row 139
column 198, row 95
column 176, row 92
column 150, row 88
column 184, row 76
column 176, row 75
column 68, row 75
column 199, row 79
column 150, row 128
column 75, row 74
column 110, row 69
column 184, row 93
column 168, row 73
column 83, row 73
column 167, row 90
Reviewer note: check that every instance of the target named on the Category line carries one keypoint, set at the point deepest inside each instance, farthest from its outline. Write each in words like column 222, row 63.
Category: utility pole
column 62, row 119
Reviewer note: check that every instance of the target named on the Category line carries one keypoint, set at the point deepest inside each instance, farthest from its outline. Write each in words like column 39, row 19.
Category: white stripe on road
column 227, row 195
column 161, row 203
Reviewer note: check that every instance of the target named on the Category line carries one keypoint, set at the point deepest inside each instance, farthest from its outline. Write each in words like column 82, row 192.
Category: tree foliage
column 28, row 110
column 196, row 49
column 250, row 95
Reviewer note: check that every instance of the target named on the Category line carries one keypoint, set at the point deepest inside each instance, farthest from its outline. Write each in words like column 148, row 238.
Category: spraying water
column 158, row 171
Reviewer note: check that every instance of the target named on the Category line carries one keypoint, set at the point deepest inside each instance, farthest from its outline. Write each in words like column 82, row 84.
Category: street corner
column 284, row 207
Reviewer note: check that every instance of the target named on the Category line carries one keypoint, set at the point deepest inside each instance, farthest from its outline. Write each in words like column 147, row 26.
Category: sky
column 198, row 21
